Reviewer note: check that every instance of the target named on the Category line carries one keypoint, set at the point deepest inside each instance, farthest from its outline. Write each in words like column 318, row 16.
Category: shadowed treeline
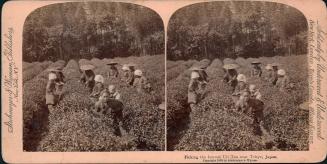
column 236, row 29
column 91, row 29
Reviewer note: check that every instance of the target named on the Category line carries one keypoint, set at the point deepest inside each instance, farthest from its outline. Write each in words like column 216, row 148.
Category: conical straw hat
column 231, row 66
column 87, row 67
column 112, row 63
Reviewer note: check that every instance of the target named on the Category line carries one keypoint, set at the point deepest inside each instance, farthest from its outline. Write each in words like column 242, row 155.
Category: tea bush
column 34, row 110
column 212, row 125
column 72, row 127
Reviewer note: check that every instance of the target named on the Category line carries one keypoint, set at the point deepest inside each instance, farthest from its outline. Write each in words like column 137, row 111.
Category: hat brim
column 196, row 69
column 231, row 66
column 274, row 64
column 87, row 67
column 113, row 63
column 52, row 70
column 257, row 62
column 131, row 65
column 55, row 69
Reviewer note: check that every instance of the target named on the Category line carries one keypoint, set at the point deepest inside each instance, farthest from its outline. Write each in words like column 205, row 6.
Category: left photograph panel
column 93, row 78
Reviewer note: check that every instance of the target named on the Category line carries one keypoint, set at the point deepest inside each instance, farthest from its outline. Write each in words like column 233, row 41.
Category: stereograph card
column 189, row 81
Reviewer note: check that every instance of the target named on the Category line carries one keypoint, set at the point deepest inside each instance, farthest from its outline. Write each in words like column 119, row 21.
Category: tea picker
column 128, row 75
column 88, row 76
column 230, row 76
column 141, row 82
column 50, row 96
column 203, row 79
column 106, row 107
column 113, row 71
column 97, row 89
column 256, row 69
column 193, row 90
column 59, row 81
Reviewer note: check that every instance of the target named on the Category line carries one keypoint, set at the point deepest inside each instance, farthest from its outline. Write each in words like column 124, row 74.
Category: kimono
column 203, row 76
column 203, row 80
column 60, row 77
column 193, row 88
column 98, row 88
column 101, row 106
column 239, row 89
column 269, row 75
column 254, row 107
column 231, row 77
column 274, row 78
column 256, row 72
column 88, row 79
column 256, row 95
column 114, row 95
column 59, row 82
column 130, row 77
column 50, row 95
column 141, row 84
column 283, row 82
column 113, row 72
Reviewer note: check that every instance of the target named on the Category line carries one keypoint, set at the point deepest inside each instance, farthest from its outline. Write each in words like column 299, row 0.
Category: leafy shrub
column 72, row 127
column 34, row 109
column 177, row 70
column 212, row 125
column 34, row 69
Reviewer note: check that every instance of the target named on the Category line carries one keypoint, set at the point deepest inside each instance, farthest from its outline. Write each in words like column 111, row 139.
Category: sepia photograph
column 164, row 81
column 237, row 78
column 93, row 78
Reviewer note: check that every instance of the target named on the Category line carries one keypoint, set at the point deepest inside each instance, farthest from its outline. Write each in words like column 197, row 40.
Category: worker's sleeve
column 83, row 78
column 252, row 72
column 62, row 75
column 103, row 91
column 258, row 95
column 116, row 73
column 49, row 90
column 117, row 96
column 234, row 77
column 136, row 82
column 273, row 78
column 225, row 78
column 237, row 90
column 278, row 83
column 260, row 72
column 97, row 106
column 192, row 86
column 206, row 76
column 96, row 90
column 129, row 77
column 91, row 78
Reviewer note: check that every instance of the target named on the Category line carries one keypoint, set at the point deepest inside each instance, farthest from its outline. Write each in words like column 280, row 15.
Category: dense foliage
column 91, row 29
column 71, row 126
column 34, row 108
column 30, row 70
column 236, row 29
column 212, row 125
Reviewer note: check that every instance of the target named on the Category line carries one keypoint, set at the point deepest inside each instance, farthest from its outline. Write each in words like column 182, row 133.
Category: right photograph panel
column 237, row 78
